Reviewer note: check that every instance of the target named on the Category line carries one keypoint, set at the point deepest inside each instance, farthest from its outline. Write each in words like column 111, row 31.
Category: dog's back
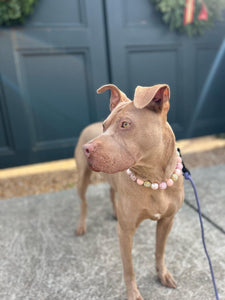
column 90, row 132
column 83, row 171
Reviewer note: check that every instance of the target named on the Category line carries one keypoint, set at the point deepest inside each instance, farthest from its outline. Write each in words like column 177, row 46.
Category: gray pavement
column 42, row 259
column 211, row 191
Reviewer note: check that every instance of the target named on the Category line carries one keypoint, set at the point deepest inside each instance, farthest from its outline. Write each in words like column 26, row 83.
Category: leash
column 187, row 176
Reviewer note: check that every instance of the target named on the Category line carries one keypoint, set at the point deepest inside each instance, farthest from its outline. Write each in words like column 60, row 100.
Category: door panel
column 144, row 52
column 58, row 60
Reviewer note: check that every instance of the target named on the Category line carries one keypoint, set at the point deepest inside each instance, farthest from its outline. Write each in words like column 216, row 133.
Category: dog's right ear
column 154, row 97
column 117, row 95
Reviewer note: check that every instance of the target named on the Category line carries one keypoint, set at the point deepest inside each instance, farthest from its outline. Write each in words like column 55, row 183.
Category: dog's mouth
column 92, row 167
column 107, row 164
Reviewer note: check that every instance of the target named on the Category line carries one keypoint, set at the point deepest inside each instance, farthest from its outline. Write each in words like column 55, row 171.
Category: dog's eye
column 125, row 124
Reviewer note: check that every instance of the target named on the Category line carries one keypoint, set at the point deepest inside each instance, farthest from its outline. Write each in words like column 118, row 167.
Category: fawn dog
column 135, row 149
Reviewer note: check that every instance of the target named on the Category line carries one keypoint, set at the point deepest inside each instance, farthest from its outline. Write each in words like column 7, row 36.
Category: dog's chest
column 141, row 201
column 154, row 204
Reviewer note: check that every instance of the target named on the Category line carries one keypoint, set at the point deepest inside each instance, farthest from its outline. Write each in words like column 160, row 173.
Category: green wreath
column 173, row 15
column 15, row 12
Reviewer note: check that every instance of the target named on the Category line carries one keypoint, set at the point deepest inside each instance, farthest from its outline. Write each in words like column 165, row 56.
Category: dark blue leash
column 187, row 176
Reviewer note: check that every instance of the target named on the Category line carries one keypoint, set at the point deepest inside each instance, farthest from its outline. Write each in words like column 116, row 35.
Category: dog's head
column 132, row 131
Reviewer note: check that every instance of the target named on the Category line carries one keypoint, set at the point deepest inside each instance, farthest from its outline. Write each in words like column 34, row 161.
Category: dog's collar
column 164, row 184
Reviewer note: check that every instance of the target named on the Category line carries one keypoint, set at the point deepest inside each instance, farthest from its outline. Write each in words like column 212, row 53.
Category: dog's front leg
column 163, row 228
column 126, row 243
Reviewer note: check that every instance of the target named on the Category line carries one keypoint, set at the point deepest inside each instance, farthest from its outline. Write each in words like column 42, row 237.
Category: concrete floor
column 42, row 259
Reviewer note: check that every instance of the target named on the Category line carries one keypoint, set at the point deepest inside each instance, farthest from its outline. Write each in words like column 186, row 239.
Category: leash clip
column 185, row 170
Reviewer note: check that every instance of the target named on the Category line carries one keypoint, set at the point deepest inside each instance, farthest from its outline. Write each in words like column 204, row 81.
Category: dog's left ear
column 154, row 97
column 116, row 97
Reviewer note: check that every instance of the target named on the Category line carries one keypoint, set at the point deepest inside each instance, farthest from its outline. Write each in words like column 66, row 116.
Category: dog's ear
column 117, row 95
column 155, row 97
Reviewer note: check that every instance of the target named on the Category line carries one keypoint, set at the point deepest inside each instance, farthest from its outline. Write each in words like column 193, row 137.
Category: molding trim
column 85, row 52
column 82, row 19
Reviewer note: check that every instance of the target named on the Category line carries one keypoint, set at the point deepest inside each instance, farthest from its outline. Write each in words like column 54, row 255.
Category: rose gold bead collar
column 164, row 184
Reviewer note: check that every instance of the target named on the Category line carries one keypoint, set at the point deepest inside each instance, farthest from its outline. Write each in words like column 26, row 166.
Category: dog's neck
column 157, row 167
column 156, row 171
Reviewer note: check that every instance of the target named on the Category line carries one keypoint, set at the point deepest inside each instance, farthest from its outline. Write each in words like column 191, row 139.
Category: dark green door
column 50, row 69
column 144, row 52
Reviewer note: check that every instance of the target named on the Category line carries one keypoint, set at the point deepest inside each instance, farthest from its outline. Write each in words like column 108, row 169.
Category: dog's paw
column 81, row 229
column 139, row 298
column 167, row 279
column 135, row 295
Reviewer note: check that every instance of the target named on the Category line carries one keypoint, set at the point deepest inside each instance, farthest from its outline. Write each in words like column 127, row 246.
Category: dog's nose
column 88, row 149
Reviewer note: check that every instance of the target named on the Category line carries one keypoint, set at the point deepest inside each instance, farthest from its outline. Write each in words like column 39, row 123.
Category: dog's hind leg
column 113, row 200
column 83, row 182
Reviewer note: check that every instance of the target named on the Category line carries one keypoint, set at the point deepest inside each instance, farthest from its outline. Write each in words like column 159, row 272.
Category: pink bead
column 133, row 177
column 155, row 186
column 178, row 172
column 179, row 159
column 179, row 166
column 128, row 172
column 163, row 185
column 140, row 182
column 169, row 182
